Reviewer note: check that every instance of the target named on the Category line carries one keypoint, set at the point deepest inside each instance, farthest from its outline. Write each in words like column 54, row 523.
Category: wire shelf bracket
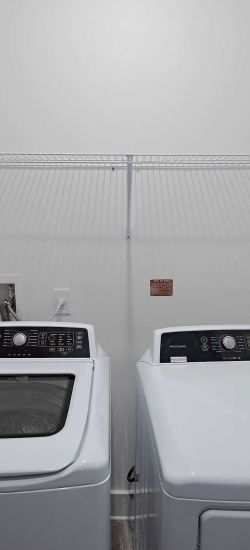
column 129, row 194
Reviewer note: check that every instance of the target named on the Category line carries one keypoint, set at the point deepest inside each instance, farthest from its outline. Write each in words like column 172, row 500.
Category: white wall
column 141, row 76
column 146, row 76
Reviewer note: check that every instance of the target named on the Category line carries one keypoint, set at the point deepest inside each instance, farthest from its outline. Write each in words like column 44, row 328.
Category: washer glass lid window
column 34, row 405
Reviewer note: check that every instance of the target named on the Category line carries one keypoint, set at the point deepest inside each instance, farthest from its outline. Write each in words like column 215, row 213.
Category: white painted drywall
column 143, row 76
column 137, row 76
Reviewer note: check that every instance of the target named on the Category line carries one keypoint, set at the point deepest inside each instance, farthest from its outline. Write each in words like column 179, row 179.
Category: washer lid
column 43, row 415
column 200, row 419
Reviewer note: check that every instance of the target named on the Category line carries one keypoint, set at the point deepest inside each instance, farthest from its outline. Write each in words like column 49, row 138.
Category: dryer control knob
column 228, row 342
column 19, row 339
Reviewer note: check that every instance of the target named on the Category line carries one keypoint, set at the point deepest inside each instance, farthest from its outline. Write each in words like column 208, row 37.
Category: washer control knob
column 19, row 339
column 228, row 342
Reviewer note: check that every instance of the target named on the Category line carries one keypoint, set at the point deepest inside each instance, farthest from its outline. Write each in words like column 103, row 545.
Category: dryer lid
column 43, row 416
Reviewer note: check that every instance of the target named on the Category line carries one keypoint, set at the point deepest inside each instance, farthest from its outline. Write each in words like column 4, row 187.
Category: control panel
column 200, row 346
column 44, row 341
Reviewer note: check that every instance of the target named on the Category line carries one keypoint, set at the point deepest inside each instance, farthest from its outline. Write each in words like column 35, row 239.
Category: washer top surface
column 199, row 416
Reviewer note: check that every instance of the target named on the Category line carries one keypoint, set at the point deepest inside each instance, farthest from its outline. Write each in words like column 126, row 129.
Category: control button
column 78, row 346
column 19, row 339
column 228, row 342
column 204, row 347
column 204, row 339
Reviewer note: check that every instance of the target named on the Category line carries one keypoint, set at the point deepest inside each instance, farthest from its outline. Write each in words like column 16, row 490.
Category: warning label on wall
column 161, row 287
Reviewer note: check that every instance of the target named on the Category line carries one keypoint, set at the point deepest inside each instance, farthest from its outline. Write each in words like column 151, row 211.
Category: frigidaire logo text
column 178, row 346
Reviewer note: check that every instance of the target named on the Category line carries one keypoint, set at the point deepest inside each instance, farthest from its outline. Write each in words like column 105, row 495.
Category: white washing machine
column 54, row 438
column 193, row 440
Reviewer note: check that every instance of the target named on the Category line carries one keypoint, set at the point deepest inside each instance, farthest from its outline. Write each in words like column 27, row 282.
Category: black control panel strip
column 204, row 346
column 39, row 342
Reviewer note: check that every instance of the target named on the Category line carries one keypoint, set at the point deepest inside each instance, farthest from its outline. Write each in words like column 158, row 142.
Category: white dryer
column 54, row 438
column 193, row 440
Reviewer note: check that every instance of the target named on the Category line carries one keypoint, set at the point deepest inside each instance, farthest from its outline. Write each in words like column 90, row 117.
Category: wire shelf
column 140, row 162
column 191, row 162
column 52, row 160
column 139, row 181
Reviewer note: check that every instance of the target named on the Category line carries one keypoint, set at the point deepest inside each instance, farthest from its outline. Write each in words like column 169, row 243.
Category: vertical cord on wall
column 129, row 193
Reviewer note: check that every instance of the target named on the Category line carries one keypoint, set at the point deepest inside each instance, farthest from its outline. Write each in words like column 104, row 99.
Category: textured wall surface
column 143, row 76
